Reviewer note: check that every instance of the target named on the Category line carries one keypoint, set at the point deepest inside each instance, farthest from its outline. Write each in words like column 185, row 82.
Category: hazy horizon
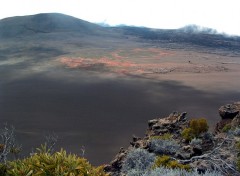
column 159, row 14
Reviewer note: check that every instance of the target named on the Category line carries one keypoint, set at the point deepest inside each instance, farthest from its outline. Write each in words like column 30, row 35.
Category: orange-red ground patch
column 122, row 62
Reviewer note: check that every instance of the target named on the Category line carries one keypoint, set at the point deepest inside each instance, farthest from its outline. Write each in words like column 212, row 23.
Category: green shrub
column 167, row 162
column 60, row 163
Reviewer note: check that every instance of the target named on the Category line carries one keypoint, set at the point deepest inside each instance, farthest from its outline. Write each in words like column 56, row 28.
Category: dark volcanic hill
column 45, row 23
column 49, row 35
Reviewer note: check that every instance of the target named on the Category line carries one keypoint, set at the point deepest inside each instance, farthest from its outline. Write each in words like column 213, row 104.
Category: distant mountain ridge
column 60, row 24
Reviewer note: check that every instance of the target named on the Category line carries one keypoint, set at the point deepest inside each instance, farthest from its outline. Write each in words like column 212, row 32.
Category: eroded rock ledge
column 208, row 151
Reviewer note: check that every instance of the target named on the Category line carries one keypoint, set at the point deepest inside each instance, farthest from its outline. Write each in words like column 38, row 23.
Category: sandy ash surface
column 99, row 99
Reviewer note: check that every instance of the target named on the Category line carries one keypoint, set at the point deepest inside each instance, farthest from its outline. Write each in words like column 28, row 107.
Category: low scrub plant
column 208, row 136
column 162, row 171
column 167, row 162
column 137, row 162
column 196, row 127
column 164, row 147
column 196, row 142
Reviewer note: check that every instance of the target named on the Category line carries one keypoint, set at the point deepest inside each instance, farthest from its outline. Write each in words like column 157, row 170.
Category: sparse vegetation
column 167, row 162
column 8, row 143
column 160, row 146
column 237, row 146
column 154, row 155
column 187, row 134
column 137, row 161
column 196, row 127
column 161, row 171
column 196, row 141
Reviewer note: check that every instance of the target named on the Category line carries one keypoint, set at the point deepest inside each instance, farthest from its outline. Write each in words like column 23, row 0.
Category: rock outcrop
column 205, row 152
column 230, row 114
column 229, row 111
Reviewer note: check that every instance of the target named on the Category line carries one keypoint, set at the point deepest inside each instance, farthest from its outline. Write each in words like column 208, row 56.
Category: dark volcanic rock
column 230, row 115
column 173, row 123
column 115, row 166
column 229, row 111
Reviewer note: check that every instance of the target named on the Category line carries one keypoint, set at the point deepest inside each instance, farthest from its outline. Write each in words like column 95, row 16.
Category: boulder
column 230, row 115
column 229, row 111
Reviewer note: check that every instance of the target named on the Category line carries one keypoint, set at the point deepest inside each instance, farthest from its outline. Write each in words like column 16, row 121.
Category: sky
column 222, row 15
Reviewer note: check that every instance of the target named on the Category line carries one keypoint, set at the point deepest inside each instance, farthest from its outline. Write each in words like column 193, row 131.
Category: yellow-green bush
column 167, row 162
column 60, row 163
column 196, row 127
column 188, row 134
column 199, row 126
column 165, row 136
